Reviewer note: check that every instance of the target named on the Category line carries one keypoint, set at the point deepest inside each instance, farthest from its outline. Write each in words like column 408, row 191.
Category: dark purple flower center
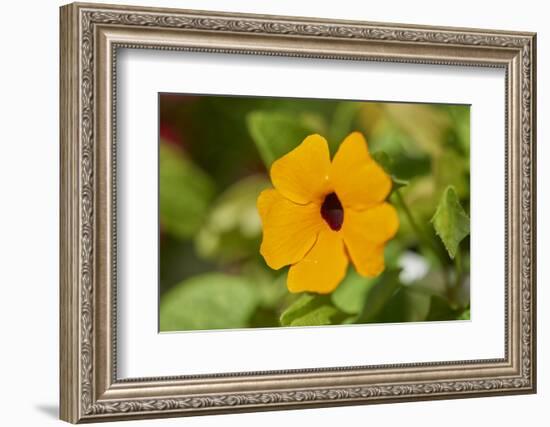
column 332, row 211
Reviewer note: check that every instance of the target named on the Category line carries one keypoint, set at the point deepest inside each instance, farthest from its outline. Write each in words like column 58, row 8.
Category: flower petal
column 289, row 229
column 358, row 180
column 375, row 225
column 323, row 268
column 266, row 200
column 302, row 174
column 367, row 258
column 365, row 233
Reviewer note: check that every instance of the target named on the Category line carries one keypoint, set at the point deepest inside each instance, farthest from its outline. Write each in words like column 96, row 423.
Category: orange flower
column 321, row 213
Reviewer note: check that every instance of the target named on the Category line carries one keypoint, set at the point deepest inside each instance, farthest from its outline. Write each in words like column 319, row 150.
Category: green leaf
column 450, row 221
column 385, row 161
column 379, row 296
column 311, row 310
column 232, row 227
column 351, row 293
column 184, row 195
column 208, row 301
column 322, row 315
column 276, row 133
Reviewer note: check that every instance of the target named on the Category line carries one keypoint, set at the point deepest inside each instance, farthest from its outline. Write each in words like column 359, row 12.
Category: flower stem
column 410, row 218
column 416, row 228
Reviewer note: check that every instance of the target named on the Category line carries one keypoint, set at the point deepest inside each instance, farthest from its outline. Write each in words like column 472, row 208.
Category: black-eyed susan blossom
column 321, row 214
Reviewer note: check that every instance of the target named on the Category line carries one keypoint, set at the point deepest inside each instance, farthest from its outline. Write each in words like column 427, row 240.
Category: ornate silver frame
column 90, row 36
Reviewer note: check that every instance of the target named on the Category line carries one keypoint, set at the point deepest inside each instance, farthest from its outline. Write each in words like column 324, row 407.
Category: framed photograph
column 264, row 212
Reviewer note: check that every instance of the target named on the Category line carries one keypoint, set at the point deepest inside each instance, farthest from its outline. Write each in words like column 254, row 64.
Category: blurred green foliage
column 231, row 227
column 214, row 159
column 185, row 193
